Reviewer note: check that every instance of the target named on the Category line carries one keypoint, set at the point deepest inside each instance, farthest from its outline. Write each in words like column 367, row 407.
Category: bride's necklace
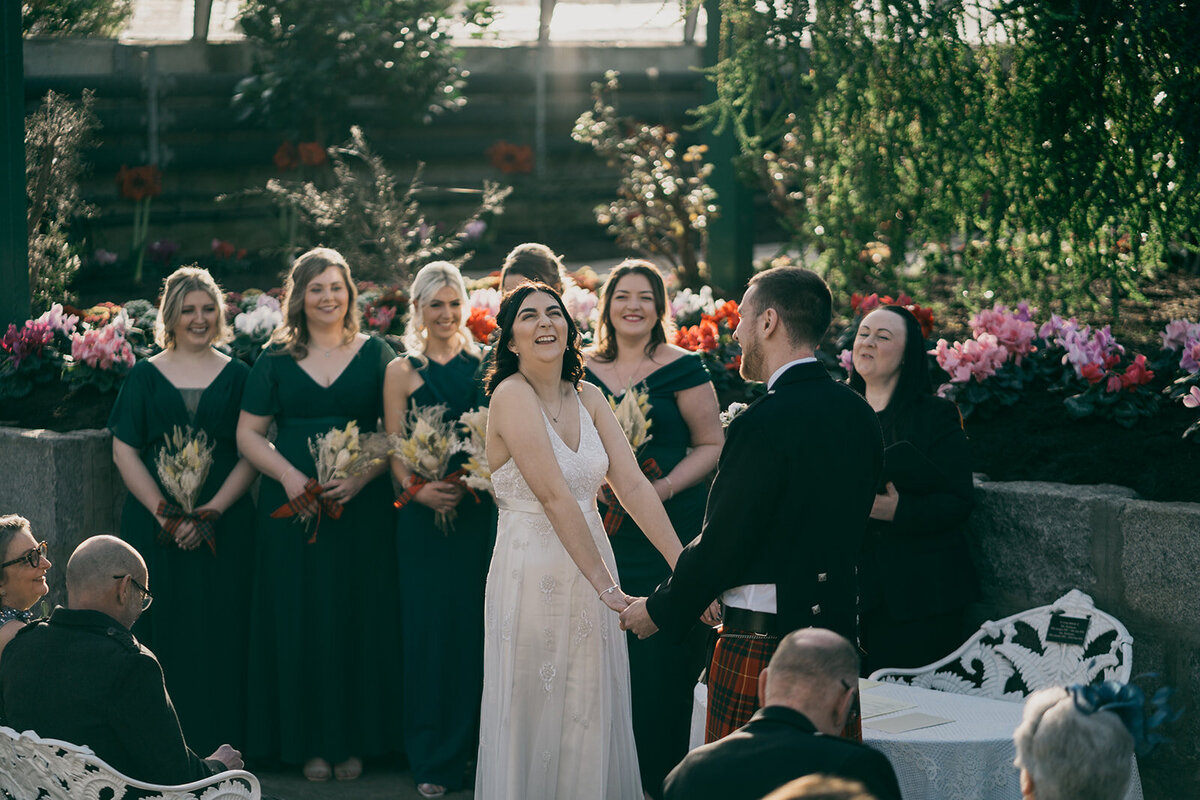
column 554, row 417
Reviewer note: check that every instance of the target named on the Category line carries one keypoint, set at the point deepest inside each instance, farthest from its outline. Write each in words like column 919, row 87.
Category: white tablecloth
column 970, row 758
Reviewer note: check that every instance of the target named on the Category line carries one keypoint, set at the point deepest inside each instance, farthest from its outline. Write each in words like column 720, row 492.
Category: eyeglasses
column 147, row 598
column 33, row 557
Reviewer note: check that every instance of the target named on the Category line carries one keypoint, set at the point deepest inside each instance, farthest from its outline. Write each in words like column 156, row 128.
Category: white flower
column 259, row 323
column 487, row 299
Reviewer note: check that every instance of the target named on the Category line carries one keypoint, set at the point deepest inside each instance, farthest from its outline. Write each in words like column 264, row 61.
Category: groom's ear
column 768, row 320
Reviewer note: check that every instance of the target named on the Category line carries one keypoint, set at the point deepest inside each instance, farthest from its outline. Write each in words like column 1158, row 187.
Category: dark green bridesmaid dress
column 662, row 671
column 324, row 621
column 197, row 626
column 442, row 578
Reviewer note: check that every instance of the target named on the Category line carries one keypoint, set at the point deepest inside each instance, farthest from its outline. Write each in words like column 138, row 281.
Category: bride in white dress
column 556, row 719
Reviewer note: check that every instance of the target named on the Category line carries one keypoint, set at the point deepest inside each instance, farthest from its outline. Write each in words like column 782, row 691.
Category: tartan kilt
column 737, row 660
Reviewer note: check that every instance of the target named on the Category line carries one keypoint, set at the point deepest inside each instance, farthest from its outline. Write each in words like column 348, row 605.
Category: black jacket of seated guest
column 916, row 572
column 83, row 678
column 777, row 745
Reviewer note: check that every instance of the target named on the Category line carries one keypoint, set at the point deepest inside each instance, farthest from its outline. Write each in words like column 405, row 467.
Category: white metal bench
column 33, row 767
column 1011, row 658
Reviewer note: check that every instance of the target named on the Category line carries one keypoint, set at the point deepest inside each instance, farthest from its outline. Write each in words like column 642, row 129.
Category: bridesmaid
column 323, row 660
column 631, row 351
column 197, row 625
column 532, row 262
column 442, row 575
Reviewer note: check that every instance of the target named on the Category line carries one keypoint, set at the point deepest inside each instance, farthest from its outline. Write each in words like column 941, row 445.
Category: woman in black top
column 915, row 575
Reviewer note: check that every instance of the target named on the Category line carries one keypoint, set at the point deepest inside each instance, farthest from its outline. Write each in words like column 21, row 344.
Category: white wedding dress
column 556, row 720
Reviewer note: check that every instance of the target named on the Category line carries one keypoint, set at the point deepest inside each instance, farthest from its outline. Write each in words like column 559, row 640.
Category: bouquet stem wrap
column 203, row 519
column 615, row 514
column 310, row 501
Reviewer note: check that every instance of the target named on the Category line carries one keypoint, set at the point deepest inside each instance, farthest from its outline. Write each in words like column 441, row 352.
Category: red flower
column 286, row 157
column 511, row 158
column 728, row 311
column 223, row 249
column 140, row 182
column 481, row 324
column 924, row 316
column 1136, row 374
column 1092, row 373
column 312, row 154
column 1113, row 384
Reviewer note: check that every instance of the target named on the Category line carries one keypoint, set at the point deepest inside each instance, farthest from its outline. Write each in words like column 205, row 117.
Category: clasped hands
column 340, row 490
column 635, row 617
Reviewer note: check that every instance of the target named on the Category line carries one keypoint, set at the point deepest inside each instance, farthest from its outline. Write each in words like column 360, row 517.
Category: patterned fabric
column 203, row 519
column 7, row 615
column 614, row 514
column 737, row 660
column 310, row 501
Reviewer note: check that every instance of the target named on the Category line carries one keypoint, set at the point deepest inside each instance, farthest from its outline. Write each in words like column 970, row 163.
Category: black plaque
column 1067, row 630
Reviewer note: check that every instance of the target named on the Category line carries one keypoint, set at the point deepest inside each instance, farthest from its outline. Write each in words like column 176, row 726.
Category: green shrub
column 74, row 17
column 54, row 135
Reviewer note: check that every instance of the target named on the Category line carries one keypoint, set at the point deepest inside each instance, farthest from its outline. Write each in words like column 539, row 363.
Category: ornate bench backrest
column 1010, row 659
column 32, row 767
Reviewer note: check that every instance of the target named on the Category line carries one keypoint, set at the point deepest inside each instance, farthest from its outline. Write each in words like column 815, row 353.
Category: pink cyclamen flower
column 977, row 358
column 1014, row 333
column 1189, row 360
column 1179, row 333
column 1192, row 398
column 59, row 320
column 846, row 359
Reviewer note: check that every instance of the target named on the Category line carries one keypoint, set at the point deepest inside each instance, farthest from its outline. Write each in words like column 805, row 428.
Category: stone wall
column 1140, row 561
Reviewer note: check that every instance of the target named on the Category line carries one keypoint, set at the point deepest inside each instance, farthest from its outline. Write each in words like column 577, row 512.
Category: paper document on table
column 874, row 705
column 905, row 723
column 867, row 683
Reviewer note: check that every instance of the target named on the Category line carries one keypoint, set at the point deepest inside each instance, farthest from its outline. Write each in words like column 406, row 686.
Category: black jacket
column 83, row 678
column 788, row 506
column 777, row 745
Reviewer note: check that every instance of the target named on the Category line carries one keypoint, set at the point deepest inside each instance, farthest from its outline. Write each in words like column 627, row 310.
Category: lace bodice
column 584, row 469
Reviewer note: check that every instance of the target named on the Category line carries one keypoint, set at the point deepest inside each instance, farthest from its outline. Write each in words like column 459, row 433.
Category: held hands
column 637, row 619
column 884, row 507
column 616, row 599
column 232, row 759
column 439, row 496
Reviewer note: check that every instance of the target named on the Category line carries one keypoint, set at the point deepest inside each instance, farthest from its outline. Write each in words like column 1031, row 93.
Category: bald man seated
column 806, row 693
column 83, row 678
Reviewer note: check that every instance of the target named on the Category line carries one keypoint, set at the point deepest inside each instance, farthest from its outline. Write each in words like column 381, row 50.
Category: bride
column 556, row 719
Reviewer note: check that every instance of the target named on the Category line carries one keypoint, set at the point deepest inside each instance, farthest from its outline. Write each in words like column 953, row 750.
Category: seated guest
column 22, row 575
column 807, row 693
column 83, row 678
column 820, row 787
column 1068, row 749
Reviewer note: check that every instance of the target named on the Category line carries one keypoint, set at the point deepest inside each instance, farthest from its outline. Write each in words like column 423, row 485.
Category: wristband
column 612, row 588
column 670, row 487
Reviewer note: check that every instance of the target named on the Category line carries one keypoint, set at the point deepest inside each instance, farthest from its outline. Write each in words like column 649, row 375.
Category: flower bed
column 1042, row 398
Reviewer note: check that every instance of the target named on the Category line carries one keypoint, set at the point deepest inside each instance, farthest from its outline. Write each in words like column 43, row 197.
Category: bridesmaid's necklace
column 629, row 384
column 329, row 352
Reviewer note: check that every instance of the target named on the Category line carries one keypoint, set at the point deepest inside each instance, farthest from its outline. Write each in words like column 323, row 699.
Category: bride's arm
column 627, row 481
column 528, row 444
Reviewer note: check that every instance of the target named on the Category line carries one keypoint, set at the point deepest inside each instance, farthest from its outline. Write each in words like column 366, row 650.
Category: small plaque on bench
column 1067, row 630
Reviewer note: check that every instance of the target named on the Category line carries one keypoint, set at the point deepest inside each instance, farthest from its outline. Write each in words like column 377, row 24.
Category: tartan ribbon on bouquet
column 310, row 501
column 445, row 520
column 203, row 520
column 614, row 515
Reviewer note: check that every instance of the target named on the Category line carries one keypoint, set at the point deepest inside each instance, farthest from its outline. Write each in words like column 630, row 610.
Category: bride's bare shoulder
column 513, row 389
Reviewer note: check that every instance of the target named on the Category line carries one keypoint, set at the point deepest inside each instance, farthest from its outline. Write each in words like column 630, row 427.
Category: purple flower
column 1178, row 333
column 1192, row 398
column 104, row 257
column 473, row 231
column 846, row 359
column 162, row 250
column 1190, row 360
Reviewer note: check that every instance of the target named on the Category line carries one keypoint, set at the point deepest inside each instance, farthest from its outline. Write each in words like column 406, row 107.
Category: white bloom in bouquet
column 582, row 306
column 487, row 299
column 259, row 323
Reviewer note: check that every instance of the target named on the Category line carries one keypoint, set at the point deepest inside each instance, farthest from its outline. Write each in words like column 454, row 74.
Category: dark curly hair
column 505, row 362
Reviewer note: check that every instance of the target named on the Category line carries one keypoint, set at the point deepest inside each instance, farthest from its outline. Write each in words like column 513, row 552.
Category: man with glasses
column 82, row 677
column 806, row 695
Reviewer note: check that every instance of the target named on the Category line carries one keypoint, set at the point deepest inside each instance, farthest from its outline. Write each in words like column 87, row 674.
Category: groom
column 788, row 507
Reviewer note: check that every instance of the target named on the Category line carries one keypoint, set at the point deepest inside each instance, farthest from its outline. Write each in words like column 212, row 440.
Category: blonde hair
column 293, row 331
column 429, row 280
column 177, row 286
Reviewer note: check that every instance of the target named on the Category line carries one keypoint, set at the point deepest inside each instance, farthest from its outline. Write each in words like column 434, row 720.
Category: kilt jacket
column 788, row 506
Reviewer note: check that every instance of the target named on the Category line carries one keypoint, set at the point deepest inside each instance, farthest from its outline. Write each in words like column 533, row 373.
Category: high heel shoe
column 317, row 770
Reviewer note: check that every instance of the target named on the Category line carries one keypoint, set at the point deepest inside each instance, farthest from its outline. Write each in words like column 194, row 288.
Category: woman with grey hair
column 1071, row 748
column 442, row 573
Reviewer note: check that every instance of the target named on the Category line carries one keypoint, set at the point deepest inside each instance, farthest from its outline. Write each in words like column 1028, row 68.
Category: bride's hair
column 505, row 362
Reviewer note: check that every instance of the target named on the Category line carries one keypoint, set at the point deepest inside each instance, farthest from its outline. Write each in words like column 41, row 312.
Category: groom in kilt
column 788, row 507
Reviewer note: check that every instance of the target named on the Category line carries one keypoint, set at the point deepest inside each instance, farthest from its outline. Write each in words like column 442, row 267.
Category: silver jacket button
column 816, row 609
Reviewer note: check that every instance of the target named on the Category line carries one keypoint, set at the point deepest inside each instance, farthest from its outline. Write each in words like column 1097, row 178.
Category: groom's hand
column 637, row 619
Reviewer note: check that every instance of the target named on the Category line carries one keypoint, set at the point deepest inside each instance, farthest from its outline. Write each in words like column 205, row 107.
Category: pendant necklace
column 629, row 384
column 560, row 406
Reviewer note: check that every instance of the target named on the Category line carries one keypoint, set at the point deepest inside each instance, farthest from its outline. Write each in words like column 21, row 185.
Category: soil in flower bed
column 56, row 407
column 1036, row 440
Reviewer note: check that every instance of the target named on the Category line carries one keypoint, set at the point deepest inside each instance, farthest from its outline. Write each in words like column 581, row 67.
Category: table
column 969, row 758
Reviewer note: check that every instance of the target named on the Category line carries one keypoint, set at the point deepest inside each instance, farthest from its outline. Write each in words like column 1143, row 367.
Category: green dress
column 197, row 625
column 442, row 577
column 324, row 619
column 662, row 671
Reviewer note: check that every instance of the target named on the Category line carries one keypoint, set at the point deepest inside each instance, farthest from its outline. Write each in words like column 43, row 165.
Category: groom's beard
column 751, row 368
